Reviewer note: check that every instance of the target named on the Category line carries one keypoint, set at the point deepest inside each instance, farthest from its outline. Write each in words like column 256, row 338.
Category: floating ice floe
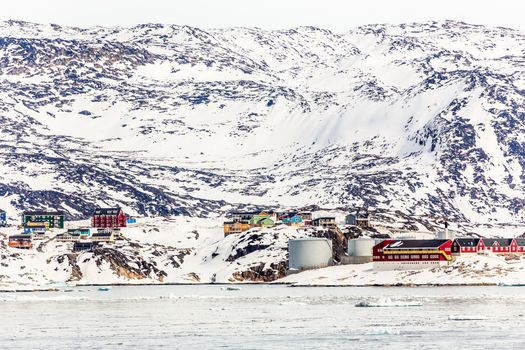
column 387, row 302
column 467, row 317
column 232, row 288
column 383, row 331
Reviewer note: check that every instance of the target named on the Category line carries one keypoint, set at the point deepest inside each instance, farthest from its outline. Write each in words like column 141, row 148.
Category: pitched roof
column 415, row 244
column 102, row 234
column 107, row 211
column 502, row 242
column 520, row 241
column 264, row 219
column 468, row 242
column 44, row 213
column 20, row 237
column 82, row 229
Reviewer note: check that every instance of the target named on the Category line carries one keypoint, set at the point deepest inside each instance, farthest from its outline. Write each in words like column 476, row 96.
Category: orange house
column 20, row 241
column 231, row 227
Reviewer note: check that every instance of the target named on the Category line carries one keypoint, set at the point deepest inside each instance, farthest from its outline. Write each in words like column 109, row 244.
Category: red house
column 108, row 217
column 411, row 254
column 520, row 243
column 500, row 245
column 467, row 246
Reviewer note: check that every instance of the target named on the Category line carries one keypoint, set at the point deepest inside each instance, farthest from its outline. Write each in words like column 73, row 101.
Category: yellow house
column 231, row 227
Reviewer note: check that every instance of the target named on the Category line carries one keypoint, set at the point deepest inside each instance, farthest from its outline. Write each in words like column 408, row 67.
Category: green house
column 261, row 221
column 52, row 219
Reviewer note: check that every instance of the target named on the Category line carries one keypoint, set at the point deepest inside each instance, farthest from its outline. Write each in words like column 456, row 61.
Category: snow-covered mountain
column 425, row 118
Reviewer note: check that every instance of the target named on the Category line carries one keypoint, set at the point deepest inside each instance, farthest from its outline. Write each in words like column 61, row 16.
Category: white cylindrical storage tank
column 361, row 247
column 309, row 253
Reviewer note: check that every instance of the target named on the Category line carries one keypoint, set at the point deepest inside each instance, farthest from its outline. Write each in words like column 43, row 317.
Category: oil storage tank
column 309, row 253
column 360, row 250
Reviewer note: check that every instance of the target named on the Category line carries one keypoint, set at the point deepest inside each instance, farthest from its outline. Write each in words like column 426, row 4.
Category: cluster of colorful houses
column 36, row 225
column 243, row 221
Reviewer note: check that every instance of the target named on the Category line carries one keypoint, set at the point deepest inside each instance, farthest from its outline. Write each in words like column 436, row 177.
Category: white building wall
column 407, row 265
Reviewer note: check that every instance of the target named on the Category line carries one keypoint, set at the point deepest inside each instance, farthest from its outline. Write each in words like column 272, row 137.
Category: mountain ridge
column 174, row 120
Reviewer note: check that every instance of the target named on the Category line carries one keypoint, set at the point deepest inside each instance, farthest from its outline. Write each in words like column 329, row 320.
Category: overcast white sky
column 338, row 15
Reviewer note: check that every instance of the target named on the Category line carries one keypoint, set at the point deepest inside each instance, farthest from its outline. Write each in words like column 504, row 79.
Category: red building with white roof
column 412, row 254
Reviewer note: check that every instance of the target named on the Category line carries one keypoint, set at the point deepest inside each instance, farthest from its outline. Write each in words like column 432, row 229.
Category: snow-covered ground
column 465, row 270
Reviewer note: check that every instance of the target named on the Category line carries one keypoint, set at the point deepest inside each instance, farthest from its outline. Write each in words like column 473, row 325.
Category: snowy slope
column 426, row 118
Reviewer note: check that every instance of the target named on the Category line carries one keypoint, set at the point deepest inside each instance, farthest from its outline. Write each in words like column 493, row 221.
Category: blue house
column 293, row 220
column 3, row 218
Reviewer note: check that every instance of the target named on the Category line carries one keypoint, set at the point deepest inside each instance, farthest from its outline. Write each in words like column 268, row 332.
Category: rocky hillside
column 425, row 118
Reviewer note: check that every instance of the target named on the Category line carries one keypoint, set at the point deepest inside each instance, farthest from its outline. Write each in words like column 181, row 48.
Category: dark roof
column 71, row 230
column 78, row 245
column 502, row 242
column 360, row 214
column 107, row 211
column 325, row 218
column 101, row 234
column 20, row 236
column 415, row 243
column 72, row 233
column 44, row 213
column 84, row 243
column 468, row 242
column 261, row 220
column 520, row 241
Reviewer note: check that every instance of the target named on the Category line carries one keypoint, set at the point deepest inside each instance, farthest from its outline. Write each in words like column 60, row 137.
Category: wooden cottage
column 83, row 246
column 500, row 245
column 37, row 229
column 104, row 236
column 233, row 227
column 328, row 221
column 359, row 219
column 108, row 217
column 53, row 219
column 467, row 246
column 73, row 235
column 520, row 244
column 20, row 241
column 82, row 232
column 293, row 220
column 258, row 221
